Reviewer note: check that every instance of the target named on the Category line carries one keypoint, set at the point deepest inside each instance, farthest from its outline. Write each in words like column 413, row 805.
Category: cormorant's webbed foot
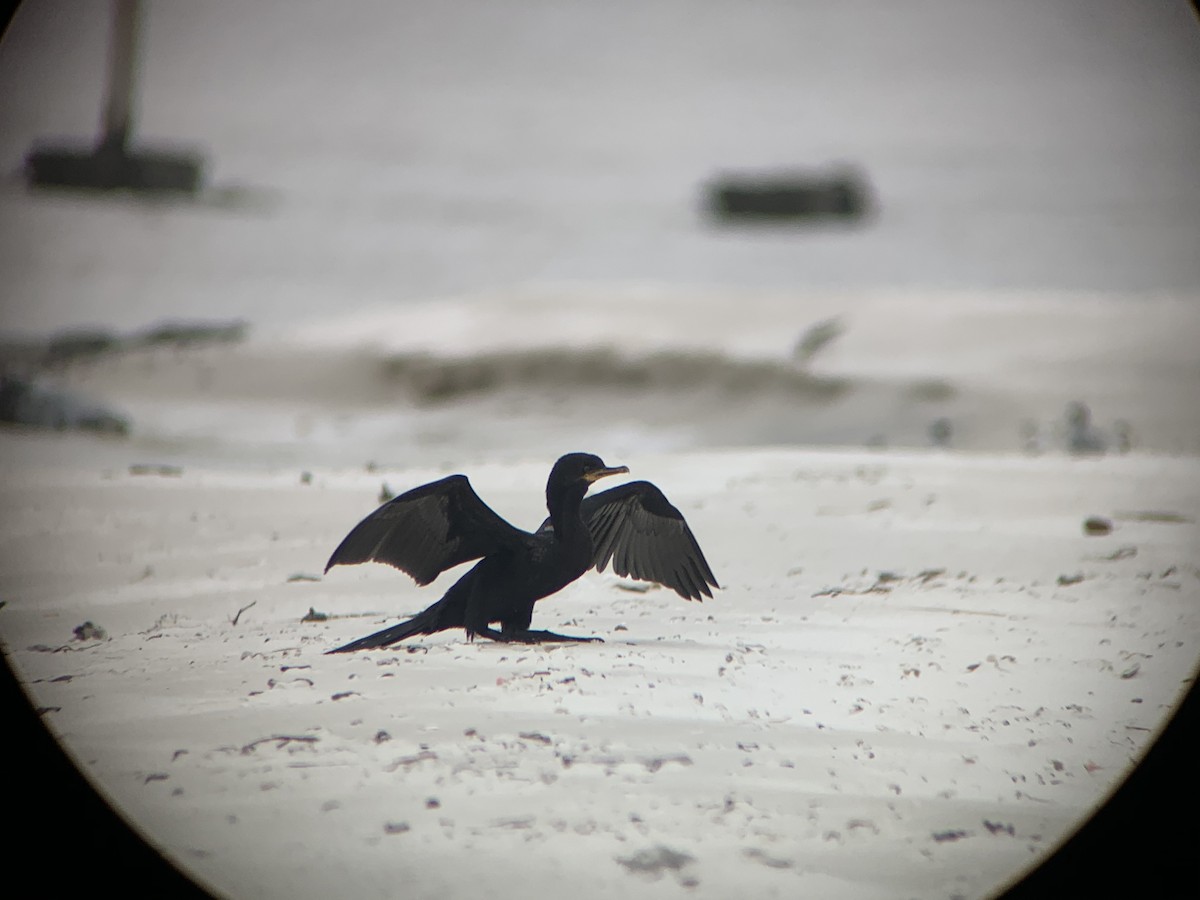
column 530, row 637
column 547, row 637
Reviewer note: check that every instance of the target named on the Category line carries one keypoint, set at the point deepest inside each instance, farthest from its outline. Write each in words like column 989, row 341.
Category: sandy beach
column 920, row 675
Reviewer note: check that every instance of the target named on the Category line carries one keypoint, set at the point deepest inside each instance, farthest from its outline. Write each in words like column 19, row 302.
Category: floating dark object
column 110, row 164
column 838, row 194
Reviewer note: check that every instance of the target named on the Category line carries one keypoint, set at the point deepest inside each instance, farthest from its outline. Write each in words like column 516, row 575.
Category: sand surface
column 920, row 675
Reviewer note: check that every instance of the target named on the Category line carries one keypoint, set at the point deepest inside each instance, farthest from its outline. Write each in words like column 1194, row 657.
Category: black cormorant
column 439, row 525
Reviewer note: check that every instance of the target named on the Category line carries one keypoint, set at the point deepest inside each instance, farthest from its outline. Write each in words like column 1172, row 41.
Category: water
column 391, row 151
column 376, row 155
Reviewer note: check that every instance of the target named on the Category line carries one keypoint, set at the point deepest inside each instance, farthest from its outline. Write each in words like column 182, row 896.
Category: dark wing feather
column 637, row 529
column 427, row 530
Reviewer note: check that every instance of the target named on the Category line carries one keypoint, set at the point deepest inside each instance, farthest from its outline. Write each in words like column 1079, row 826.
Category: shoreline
column 635, row 371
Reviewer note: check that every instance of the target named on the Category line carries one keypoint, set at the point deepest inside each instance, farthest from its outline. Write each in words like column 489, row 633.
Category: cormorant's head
column 581, row 468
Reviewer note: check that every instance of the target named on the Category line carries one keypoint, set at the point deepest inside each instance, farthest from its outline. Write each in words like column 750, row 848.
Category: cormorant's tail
column 388, row 636
column 446, row 613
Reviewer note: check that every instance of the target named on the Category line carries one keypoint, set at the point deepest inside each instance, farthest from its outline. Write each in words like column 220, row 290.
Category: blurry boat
column 842, row 193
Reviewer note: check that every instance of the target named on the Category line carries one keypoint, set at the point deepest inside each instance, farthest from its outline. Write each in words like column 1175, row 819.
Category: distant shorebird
column 941, row 432
column 1080, row 437
column 1084, row 438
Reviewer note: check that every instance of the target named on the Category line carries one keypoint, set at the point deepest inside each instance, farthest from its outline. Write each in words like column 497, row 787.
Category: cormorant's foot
column 549, row 637
column 528, row 637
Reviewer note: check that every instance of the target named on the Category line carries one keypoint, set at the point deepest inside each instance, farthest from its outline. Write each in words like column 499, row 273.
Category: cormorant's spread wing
column 636, row 528
column 427, row 530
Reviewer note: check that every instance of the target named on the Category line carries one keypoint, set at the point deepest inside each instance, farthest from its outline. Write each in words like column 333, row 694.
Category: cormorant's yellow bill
column 600, row 473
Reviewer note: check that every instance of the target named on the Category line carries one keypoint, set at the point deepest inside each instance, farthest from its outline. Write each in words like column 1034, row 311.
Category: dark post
column 117, row 125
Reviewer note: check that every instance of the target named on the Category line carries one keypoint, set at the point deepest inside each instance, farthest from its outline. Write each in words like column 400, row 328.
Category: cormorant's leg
column 485, row 631
column 514, row 622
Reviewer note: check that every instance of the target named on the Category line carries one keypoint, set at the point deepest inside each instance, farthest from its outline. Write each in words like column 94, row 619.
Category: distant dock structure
column 113, row 162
